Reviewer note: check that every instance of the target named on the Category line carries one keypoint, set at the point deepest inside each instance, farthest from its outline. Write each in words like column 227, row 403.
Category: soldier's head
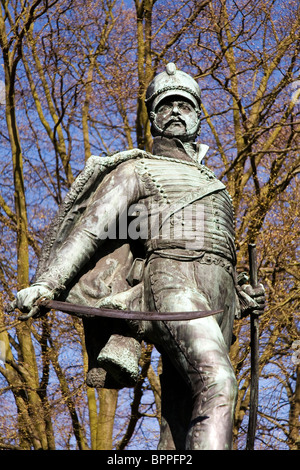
column 173, row 101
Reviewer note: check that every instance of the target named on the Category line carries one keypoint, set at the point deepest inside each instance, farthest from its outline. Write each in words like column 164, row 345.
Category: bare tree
column 75, row 78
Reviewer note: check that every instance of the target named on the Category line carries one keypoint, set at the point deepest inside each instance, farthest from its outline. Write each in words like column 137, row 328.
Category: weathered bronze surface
column 154, row 232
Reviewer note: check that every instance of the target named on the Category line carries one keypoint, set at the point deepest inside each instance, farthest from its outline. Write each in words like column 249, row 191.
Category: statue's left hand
column 258, row 294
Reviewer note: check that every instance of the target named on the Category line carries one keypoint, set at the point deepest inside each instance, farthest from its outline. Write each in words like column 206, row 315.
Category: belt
column 190, row 255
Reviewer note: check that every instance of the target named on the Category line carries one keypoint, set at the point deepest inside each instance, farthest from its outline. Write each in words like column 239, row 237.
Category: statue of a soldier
column 154, row 232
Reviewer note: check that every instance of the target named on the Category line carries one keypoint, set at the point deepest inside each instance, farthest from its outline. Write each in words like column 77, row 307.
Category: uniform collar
column 174, row 148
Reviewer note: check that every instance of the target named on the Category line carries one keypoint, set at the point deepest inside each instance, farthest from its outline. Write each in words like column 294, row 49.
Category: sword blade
column 84, row 311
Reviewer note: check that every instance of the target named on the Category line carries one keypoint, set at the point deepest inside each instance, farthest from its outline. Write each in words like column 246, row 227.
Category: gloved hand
column 251, row 299
column 26, row 298
column 258, row 295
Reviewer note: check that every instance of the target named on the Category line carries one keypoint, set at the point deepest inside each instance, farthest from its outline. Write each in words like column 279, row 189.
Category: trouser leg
column 176, row 408
column 200, row 358
column 197, row 350
column 203, row 360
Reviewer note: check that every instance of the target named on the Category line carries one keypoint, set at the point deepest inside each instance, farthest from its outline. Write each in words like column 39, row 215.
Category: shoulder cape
column 105, row 276
column 77, row 199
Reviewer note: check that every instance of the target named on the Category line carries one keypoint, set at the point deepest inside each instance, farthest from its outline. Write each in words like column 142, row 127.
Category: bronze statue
column 155, row 232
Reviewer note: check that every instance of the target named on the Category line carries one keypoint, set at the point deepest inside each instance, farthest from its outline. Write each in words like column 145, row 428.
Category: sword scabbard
column 254, row 335
column 85, row 311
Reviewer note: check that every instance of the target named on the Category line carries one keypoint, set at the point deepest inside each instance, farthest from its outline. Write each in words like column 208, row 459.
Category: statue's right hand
column 26, row 298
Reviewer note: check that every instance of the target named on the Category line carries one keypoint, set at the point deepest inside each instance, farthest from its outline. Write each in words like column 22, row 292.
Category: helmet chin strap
column 189, row 136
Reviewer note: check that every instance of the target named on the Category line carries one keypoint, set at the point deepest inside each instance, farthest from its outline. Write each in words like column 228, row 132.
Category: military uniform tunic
column 182, row 216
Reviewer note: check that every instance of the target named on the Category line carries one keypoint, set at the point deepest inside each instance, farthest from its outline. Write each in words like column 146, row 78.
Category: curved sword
column 84, row 311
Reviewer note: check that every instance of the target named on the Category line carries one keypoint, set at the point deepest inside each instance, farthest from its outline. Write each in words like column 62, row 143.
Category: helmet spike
column 171, row 68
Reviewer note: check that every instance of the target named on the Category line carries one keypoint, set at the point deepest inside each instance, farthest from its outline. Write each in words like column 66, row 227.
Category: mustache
column 173, row 120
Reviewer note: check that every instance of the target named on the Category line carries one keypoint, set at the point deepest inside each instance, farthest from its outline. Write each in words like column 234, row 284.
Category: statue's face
column 176, row 117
